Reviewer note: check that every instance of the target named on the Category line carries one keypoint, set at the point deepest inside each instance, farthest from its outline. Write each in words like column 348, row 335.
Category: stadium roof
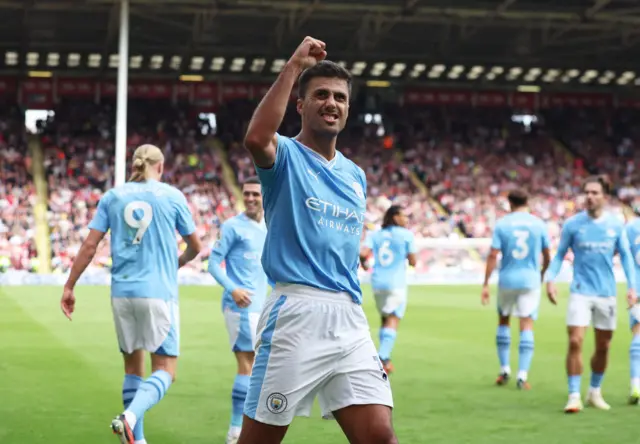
column 578, row 42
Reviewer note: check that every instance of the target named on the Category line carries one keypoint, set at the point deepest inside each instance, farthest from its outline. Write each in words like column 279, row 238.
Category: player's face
column 325, row 107
column 401, row 220
column 252, row 198
column 594, row 196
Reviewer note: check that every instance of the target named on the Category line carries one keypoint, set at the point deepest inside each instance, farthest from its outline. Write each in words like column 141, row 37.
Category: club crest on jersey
column 611, row 232
column 358, row 189
column 276, row 403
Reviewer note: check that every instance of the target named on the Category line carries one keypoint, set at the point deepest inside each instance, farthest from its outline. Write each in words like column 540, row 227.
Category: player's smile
column 329, row 117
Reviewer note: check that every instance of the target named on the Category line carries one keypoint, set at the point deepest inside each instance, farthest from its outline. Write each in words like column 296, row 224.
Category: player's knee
column 575, row 343
column 383, row 435
column 602, row 347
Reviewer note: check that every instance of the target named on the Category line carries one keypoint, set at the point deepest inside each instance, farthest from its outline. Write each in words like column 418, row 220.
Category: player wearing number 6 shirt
column 522, row 239
column 594, row 237
column 143, row 216
column 391, row 246
column 313, row 335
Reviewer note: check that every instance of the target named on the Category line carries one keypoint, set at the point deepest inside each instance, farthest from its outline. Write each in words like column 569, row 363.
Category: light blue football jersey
column 240, row 245
column 520, row 237
column 633, row 234
column 143, row 219
column 594, row 243
column 314, row 210
column 390, row 247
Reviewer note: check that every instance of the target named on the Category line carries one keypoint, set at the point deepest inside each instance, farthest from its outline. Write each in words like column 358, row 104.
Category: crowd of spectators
column 450, row 168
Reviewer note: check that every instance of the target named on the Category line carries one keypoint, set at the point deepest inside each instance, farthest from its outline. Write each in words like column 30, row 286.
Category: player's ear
column 299, row 103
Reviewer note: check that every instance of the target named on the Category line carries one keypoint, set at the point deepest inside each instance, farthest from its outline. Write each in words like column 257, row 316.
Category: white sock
column 635, row 383
column 506, row 369
column 131, row 419
column 522, row 374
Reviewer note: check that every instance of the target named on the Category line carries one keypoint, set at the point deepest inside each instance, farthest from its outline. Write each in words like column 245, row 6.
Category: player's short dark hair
column 602, row 179
column 252, row 179
column 325, row 68
column 518, row 198
column 393, row 211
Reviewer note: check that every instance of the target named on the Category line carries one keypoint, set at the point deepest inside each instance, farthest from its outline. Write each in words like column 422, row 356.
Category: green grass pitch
column 60, row 381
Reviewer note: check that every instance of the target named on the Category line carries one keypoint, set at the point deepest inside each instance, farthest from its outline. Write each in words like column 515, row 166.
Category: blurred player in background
column 143, row 216
column 522, row 239
column 314, row 337
column 633, row 234
column 391, row 246
column 245, row 288
column 594, row 236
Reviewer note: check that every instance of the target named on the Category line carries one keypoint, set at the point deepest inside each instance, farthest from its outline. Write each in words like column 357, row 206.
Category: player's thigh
column 358, row 379
column 605, row 313
column 290, row 363
column 528, row 304
column 579, row 310
column 392, row 302
column 367, row 424
column 634, row 319
column 134, row 363
column 506, row 301
column 254, row 432
column 127, row 329
column 159, row 323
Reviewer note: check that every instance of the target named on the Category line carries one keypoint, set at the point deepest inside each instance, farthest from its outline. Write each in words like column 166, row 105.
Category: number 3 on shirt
column 522, row 249
column 141, row 224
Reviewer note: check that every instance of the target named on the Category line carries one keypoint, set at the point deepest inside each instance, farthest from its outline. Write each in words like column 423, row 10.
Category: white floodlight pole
column 122, row 94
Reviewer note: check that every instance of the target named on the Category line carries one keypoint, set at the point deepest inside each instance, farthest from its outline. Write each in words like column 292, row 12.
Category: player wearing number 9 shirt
column 143, row 216
column 522, row 238
column 391, row 246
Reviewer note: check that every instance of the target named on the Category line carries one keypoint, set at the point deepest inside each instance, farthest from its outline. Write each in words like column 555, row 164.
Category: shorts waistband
column 293, row 290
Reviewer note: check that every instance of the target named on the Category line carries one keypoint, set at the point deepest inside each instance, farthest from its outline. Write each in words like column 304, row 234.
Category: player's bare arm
column 365, row 252
column 81, row 262
column 411, row 257
column 546, row 260
column 194, row 247
column 492, row 260
column 261, row 139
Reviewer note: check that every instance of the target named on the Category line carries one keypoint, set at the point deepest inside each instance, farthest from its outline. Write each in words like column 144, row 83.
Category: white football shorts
column 391, row 302
column 313, row 342
column 583, row 311
column 147, row 324
column 634, row 315
column 520, row 303
column 241, row 327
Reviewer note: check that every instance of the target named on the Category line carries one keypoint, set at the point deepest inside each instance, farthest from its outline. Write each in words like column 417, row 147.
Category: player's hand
column 552, row 293
column 310, row 52
column 68, row 302
column 485, row 296
column 241, row 297
column 632, row 297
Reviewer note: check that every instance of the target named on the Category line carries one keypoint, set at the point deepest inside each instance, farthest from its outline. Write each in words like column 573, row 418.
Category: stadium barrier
column 441, row 261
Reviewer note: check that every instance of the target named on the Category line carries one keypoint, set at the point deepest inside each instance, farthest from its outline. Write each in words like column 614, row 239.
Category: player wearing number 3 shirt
column 143, row 216
column 391, row 247
column 522, row 239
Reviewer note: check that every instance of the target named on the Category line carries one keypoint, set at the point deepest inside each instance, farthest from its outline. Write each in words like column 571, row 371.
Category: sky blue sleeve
column 563, row 247
column 269, row 175
column 184, row 219
column 496, row 242
column 411, row 243
column 627, row 259
column 218, row 254
column 100, row 221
